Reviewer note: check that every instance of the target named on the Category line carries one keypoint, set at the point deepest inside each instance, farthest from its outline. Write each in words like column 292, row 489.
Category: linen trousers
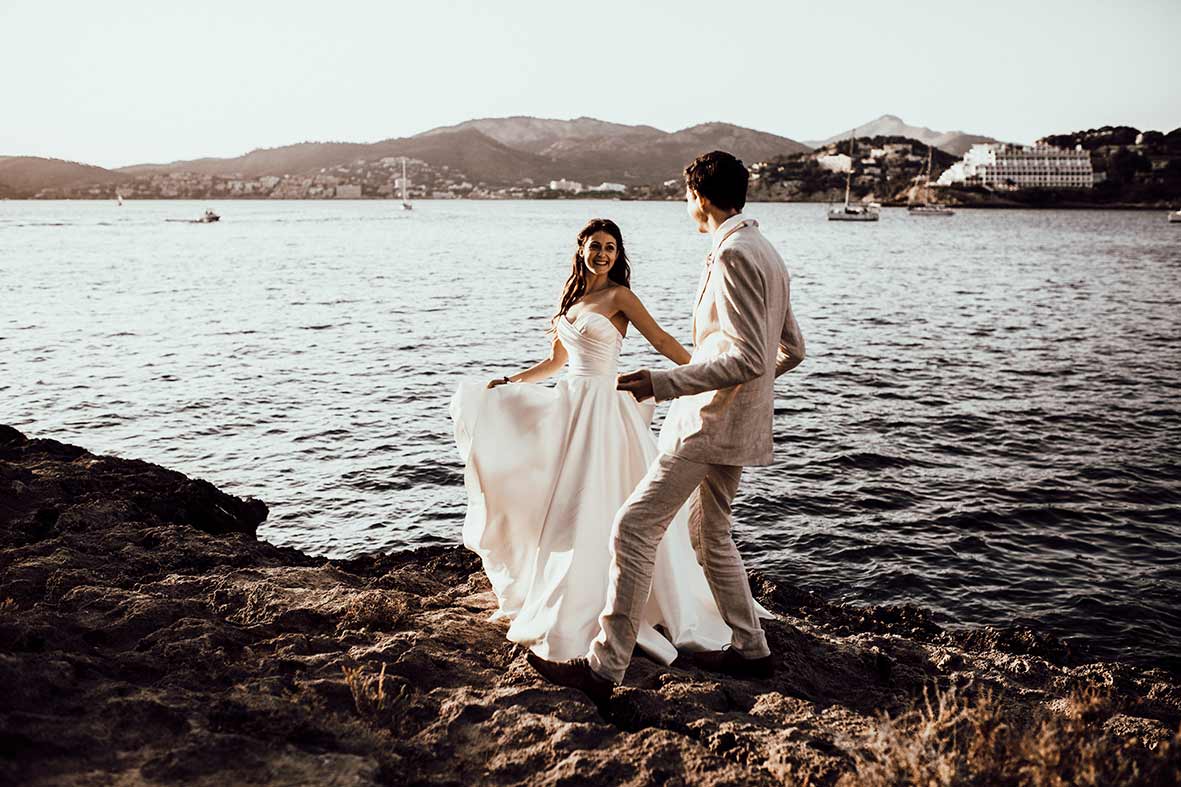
column 635, row 536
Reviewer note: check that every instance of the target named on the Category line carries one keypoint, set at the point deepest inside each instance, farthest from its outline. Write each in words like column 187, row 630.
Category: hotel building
column 1012, row 167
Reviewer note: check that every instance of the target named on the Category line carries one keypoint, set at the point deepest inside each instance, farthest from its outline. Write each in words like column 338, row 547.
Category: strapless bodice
column 592, row 341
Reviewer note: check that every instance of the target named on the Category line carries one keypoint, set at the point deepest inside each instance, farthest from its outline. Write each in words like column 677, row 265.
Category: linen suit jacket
column 744, row 336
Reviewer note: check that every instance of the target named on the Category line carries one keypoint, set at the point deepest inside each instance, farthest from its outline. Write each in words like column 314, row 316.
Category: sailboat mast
column 849, row 174
column 927, row 178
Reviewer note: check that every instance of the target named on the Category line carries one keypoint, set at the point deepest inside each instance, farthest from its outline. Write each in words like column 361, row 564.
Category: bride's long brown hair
column 620, row 273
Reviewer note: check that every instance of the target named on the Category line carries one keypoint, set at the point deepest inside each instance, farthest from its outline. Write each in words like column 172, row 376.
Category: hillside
column 1118, row 136
column 26, row 175
column 954, row 142
column 511, row 150
column 301, row 157
column 537, row 135
column 884, row 177
column 590, row 150
column 958, row 143
column 747, row 144
column 468, row 150
column 636, row 159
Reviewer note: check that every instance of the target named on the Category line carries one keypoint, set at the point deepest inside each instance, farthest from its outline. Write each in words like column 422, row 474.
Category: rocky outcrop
column 147, row 637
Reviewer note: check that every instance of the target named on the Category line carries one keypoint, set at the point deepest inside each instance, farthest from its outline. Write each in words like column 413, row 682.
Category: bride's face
column 599, row 252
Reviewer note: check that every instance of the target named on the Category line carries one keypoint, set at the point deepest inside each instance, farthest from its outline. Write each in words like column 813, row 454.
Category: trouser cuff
column 753, row 650
column 599, row 669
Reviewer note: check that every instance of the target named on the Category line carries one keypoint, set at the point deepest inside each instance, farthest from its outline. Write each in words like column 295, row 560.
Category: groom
column 744, row 336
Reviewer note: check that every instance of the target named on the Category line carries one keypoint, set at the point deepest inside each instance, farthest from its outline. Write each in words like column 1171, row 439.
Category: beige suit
column 744, row 336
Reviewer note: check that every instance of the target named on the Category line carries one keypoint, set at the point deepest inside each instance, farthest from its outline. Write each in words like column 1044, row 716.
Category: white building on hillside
column 835, row 163
column 1012, row 167
column 565, row 185
column 605, row 186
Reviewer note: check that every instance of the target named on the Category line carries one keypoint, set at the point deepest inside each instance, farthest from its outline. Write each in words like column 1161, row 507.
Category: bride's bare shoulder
column 623, row 297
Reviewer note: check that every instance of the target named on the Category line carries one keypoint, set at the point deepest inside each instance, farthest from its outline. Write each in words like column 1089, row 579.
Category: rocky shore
column 148, row 637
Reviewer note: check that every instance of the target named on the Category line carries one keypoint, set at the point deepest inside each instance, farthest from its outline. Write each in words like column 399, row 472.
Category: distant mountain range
column 506, row 150
column 467, row 150
column 956, row 143
column 490, row 150
column 586, row 149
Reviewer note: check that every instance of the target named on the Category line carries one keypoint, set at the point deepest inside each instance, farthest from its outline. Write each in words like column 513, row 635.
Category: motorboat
column 847, row 212
column 208, row 217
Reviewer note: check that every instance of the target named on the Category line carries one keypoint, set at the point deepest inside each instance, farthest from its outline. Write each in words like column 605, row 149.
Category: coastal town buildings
column 1012, row 167
column 565, row 185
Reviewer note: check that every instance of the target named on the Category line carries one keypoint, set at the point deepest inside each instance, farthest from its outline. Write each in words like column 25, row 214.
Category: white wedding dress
column 546, row 470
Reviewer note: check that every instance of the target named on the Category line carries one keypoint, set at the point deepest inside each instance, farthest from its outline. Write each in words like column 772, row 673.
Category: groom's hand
column 638, row 383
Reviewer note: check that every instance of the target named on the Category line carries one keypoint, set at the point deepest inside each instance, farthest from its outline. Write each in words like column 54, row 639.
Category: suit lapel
column 709, row 267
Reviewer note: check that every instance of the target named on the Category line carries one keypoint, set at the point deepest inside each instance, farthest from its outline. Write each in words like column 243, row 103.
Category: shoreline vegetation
column 147, row 636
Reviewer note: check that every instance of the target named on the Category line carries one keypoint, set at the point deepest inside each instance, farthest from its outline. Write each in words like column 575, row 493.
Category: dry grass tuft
column 375, row 609
column 956, row 739
column 377, row 698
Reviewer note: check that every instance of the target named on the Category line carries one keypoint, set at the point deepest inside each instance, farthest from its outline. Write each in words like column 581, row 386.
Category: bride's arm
column 539, row 371
column 627, row 302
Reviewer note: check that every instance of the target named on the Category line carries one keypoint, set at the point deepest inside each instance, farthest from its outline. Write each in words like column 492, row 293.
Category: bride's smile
column 599, row 253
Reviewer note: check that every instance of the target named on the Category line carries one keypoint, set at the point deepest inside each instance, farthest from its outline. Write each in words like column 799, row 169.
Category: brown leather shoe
column 575, row 673
column 731, row 662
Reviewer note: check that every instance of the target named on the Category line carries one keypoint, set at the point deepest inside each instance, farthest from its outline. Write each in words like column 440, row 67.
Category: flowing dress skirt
column 546, row 470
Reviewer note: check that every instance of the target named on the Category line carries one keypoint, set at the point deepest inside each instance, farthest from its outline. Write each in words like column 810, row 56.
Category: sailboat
column 405, row 188
column 118, row 199
column 849, row 212
column 919, row 202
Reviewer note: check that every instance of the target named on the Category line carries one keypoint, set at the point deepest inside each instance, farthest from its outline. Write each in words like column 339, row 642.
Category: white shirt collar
column 728, row 226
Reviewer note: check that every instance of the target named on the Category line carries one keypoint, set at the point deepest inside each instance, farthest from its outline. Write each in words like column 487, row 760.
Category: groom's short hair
column 720, row 178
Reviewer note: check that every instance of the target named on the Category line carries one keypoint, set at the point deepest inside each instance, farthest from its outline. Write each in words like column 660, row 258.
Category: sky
column 123, row 82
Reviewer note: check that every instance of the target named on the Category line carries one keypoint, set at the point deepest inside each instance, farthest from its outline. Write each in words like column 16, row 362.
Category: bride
column 546, row 469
